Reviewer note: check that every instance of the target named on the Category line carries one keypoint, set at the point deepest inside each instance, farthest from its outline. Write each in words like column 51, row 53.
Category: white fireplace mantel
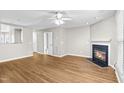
column 101, row 41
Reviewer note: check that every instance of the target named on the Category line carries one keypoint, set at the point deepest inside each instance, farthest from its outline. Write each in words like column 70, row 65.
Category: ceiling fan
column 59, row 18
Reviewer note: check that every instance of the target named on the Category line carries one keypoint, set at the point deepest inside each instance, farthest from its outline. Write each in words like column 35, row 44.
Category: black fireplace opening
column 100, row 55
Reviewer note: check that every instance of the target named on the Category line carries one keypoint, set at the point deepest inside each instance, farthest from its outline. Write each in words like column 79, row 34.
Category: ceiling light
column 58, row 22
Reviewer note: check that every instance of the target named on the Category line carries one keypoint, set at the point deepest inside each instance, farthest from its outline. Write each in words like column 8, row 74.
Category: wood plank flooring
column 44, row 68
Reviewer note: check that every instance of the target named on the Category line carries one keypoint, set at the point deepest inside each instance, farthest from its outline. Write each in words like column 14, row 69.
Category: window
column 10, row 34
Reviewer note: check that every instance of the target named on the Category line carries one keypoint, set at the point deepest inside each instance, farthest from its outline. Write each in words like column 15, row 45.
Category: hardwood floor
column 44, row 68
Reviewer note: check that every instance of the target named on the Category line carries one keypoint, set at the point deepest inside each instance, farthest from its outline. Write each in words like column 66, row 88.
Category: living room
column 60, row 46
column 91, row 34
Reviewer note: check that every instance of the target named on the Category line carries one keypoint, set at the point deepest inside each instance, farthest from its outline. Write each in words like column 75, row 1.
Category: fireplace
column 100, row 55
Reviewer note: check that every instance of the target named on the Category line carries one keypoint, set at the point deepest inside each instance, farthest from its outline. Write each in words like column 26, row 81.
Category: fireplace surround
column 100, row 55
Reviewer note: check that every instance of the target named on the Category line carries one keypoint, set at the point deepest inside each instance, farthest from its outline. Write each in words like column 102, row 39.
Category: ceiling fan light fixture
column 58, row 22
column 58, row 18
column 61, row 21
column 59, row 15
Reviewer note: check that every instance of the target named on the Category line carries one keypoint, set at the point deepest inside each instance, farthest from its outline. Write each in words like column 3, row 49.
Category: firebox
column 100, row 55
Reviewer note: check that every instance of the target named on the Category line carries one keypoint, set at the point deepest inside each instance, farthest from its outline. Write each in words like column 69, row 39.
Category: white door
column 34, row 41
column 48, row 49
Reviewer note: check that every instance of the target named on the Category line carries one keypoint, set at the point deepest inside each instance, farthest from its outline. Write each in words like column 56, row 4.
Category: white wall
column 104, row 32
column 77, row 41
column 120, row 41
column 71, row 41
column 13, row 51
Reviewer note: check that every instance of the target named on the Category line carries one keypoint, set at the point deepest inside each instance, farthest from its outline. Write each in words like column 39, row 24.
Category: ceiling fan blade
column 66, row 18
column 57, row 11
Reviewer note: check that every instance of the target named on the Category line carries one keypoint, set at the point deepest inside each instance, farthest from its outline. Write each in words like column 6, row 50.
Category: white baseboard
column 67, row 54
column 52, row 55
column 58, row 55
column 117, row 75
column 11, row 59
column 39, row 53
column 79, row 55
column 111, row 66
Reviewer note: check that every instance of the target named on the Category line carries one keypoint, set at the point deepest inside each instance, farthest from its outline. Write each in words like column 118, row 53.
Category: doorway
column 48, row 43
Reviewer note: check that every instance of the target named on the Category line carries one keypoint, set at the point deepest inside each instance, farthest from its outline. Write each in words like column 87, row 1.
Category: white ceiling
column 39, row 19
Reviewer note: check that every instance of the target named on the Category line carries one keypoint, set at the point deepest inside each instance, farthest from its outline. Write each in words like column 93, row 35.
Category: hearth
column 100, row 55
